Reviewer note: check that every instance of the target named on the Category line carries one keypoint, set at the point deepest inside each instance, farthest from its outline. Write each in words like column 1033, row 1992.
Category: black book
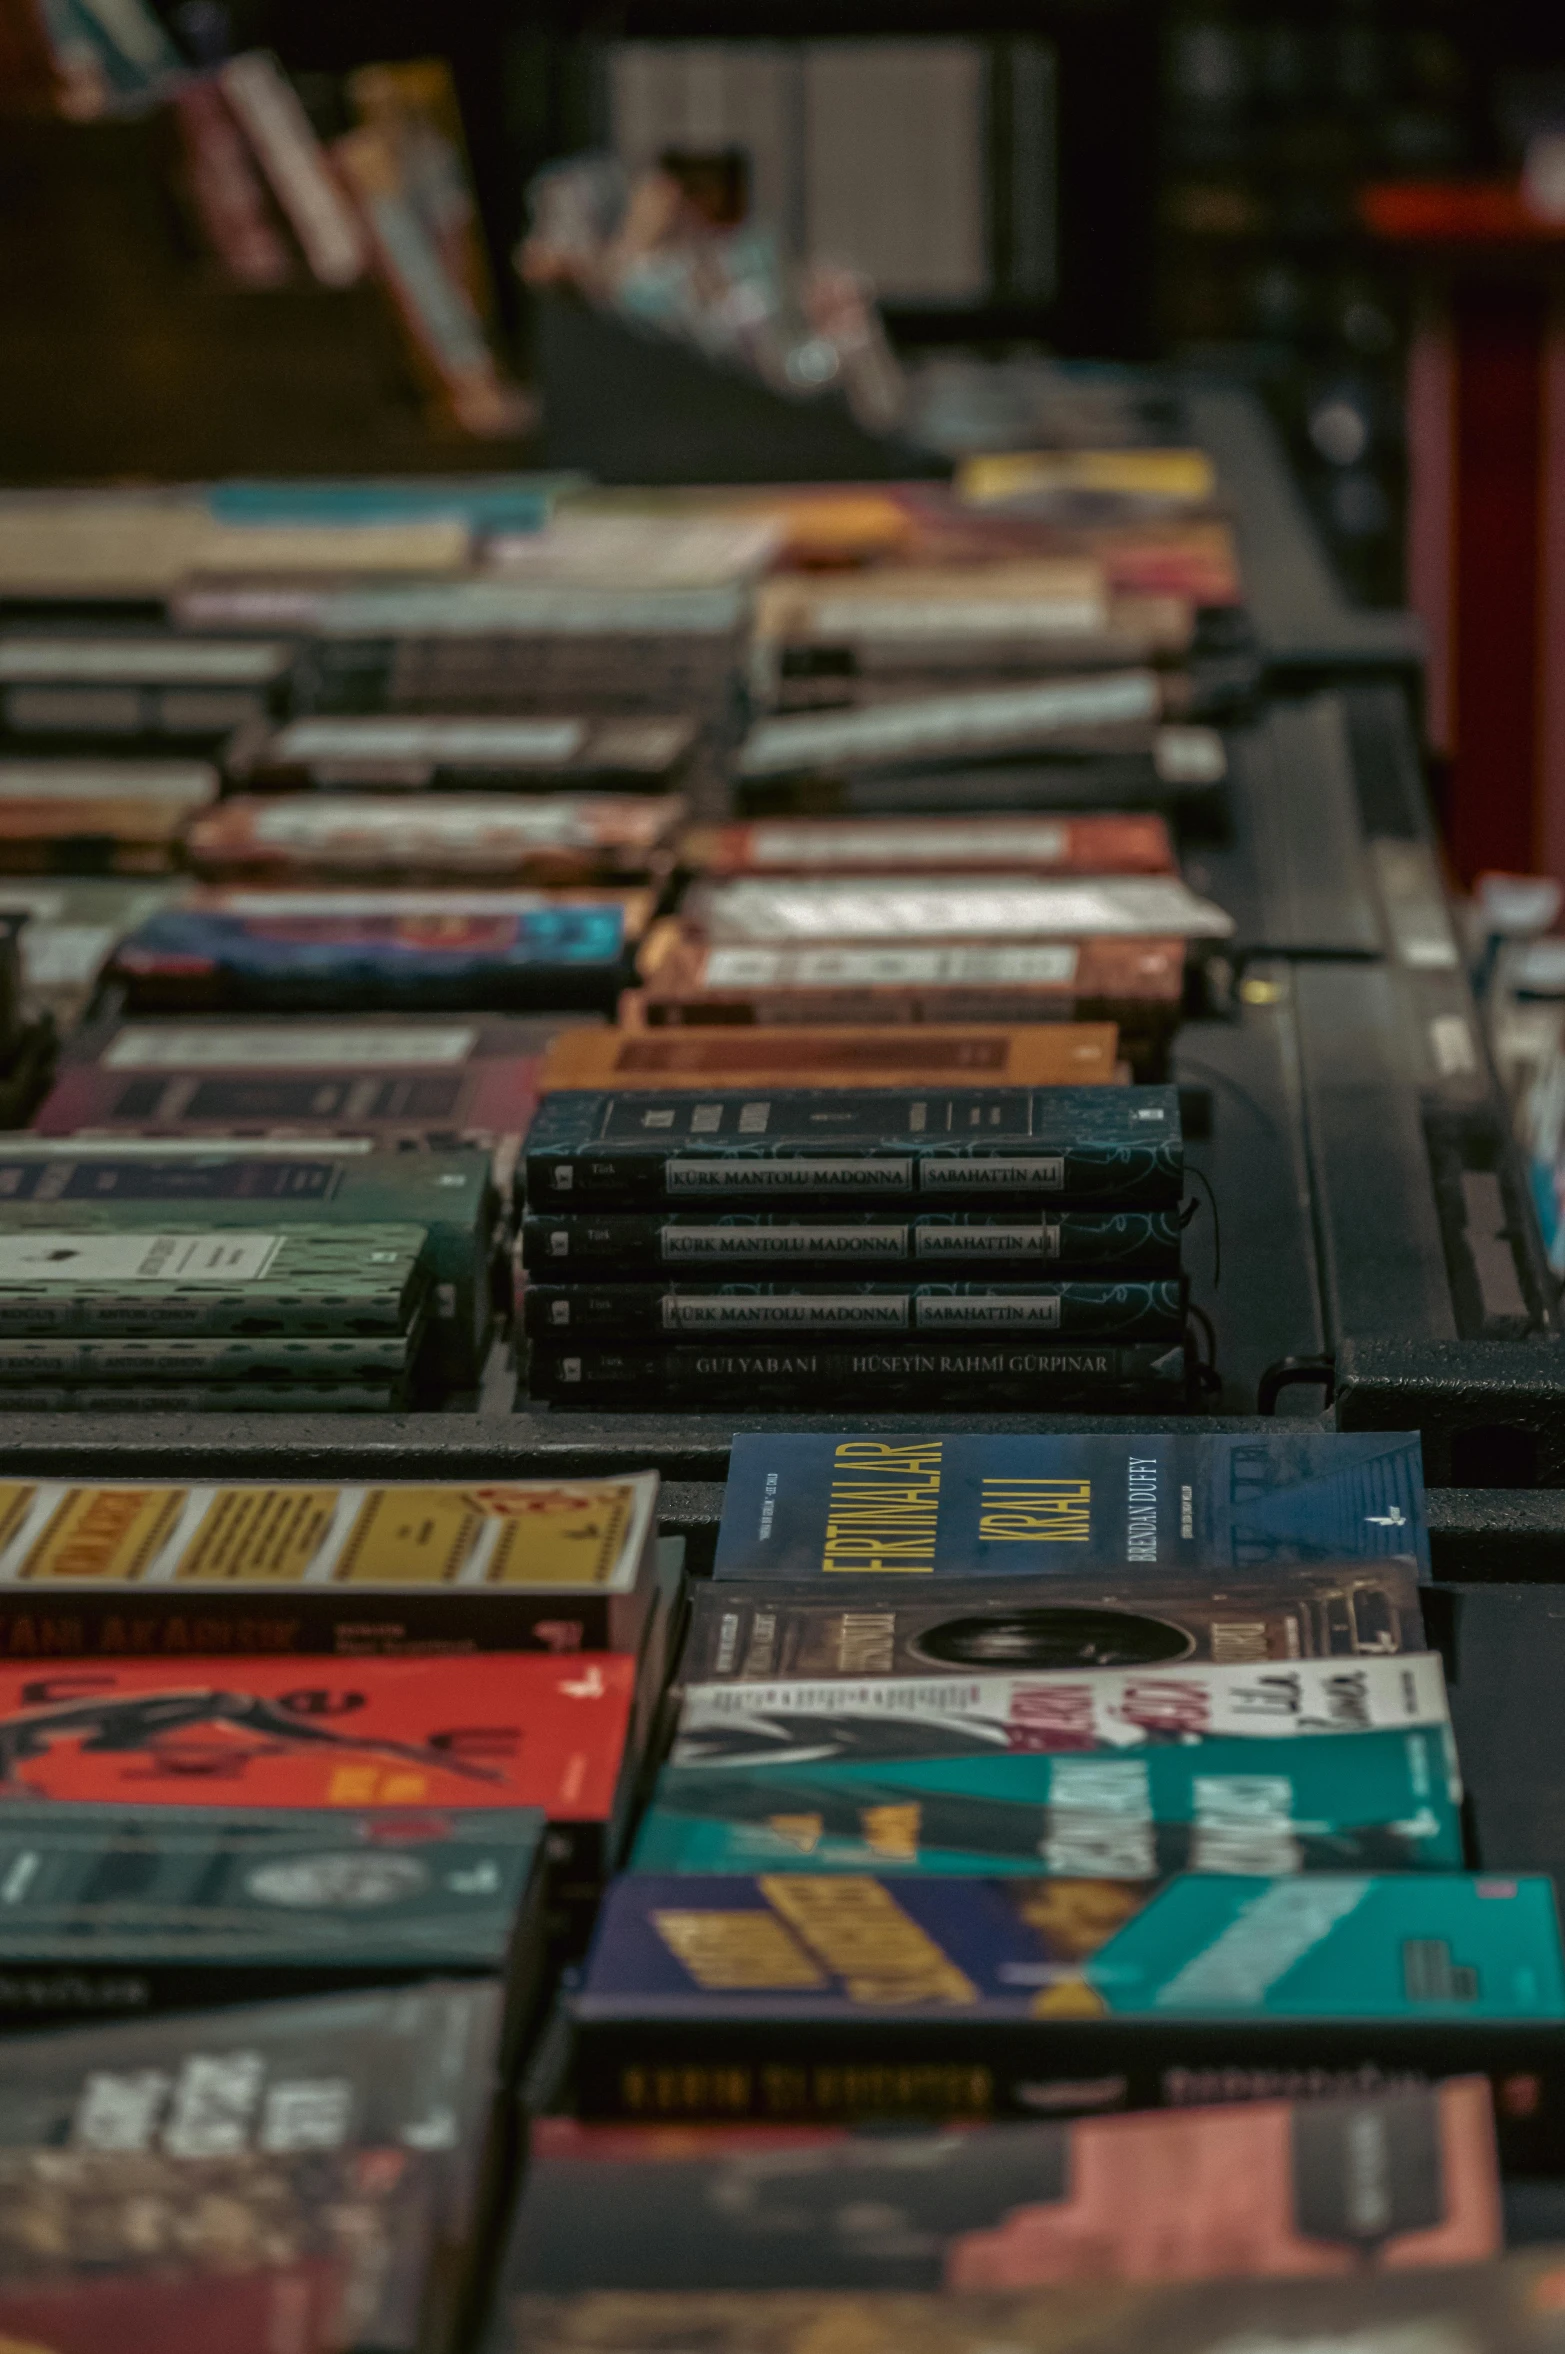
column 627, row 1246
column 1102, row 1147
column 631, row 1312
column 125, row 1910
column 1063, row 1378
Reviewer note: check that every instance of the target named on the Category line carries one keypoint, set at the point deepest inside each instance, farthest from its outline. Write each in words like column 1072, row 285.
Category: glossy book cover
column 1356, row 1802
column 952, row 1626
column 806, row 1505
column 1265, row 2188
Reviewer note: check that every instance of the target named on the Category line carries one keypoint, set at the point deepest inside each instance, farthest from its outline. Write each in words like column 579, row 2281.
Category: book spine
column 628, row 1248
column 226, row 1397
column 225, row 191
column 1105, row 1175
column 279, row 130
column 684, row 2071
column 923, row 1373
column 198, row 1622
column 218, row 1358
column 652, row 1311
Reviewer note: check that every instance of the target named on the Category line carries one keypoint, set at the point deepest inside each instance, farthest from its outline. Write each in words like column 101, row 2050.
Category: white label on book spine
column 541, row 742
column 331, row 906
column 1038, row 1240
column 833, row 968
column 991, row 1311
column 286, row 1046
column 889, row 907
column 302, row 822
column 994, row 1173
column 70, row 1256
column 701, row 1243
column 812, row 1174
column 804, row 1312
column 897, row 846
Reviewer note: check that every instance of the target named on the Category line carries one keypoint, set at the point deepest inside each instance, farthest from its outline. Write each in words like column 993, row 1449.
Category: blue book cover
column 808, row 1505
column 1397, row 1947
column 493, row 502
column 1381, row 1801
column 359, row 952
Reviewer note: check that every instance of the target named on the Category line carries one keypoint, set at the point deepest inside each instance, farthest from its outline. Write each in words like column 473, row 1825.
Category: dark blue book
column 809, row 1997
column 959, row 1148
column 724, row 1245
column 807, row 1505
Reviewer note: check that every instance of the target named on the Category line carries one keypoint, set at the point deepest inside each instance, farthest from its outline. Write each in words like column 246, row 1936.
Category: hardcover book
column 741, row 1633
column 1101, row 1147
column 324, row 2169
column 789, row 911
column 559, row 1566
column 125, row 1185
column 633, row 1312
column 1138, row 984
column 394, row 1079
column 1040, row 1055
column 130, row 1909
column 948, row 845
column 1509, row 2307
column 804, row 1788
column 802, row 1505
column 798, row 1998
column 347, row 951
column 493, row 1730
column 619, row 1246
column 1269, row 2188
column 241, row 1280
column 982, row 1372
column 336, row 749
column 492, row 838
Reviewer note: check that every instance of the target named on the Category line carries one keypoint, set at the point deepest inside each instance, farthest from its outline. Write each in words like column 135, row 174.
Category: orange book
column 908, row 1054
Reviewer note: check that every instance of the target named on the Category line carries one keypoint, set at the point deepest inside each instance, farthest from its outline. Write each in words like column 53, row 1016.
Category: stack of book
column 1062, row 1776
column 634, row 1195
column 983, row 919
column 318, row 1787
column 187, row 1315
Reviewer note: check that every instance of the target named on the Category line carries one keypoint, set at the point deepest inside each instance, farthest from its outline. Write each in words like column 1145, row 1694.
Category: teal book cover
column 810, row 1505
column 1379, row 1801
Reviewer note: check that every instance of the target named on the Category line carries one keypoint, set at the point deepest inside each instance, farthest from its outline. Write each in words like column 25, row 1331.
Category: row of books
column 1108, row 1806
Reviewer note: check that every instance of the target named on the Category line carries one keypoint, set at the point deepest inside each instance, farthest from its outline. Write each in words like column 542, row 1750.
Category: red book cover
column 504, row 1729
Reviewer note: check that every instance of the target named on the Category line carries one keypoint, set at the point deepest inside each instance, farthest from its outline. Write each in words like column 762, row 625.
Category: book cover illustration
column 952, row 1626
column 807, row 1505
column 346, row 950
column 490, row 1730
column 1402, row 1946
column 300, row 2163
column 1509, row 2307
column 791, row 1794
column 1263, row 2188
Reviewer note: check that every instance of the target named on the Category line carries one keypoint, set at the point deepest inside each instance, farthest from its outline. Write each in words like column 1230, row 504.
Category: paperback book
column 794, row 1998
column 1044, row 1055
column 807, row 1505
column 752, row 1634
column 493, row 838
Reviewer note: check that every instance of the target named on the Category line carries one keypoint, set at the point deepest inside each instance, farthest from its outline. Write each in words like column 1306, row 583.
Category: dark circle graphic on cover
column 352, row 1883
column 1057, row 1635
